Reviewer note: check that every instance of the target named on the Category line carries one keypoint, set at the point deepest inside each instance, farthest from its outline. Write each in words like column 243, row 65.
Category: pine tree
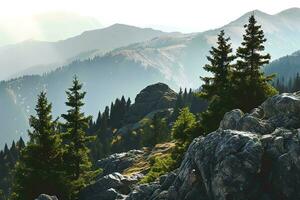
column 39, row 169
column 179, row 104
column 252, row 86
column 296, row 85
column 128, row 104
column 217, row 88
column 184, row 130
column 160, row 129
column 220, row 67
column 77, row 154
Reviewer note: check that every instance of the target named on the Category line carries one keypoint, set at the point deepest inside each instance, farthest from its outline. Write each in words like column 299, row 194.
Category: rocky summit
column 154, row 97
column 252, row 156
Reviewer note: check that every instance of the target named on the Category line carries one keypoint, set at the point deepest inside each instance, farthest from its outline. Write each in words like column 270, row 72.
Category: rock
column 283, row 104
column 251, row 156
column 231, row 119
column 278, row 111
column 154, row 97
column 143, row 191
column 119, row 162
column 46, row 197
column 109, row 187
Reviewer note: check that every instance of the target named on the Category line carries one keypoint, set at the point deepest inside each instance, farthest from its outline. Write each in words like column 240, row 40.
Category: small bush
column 161, row 165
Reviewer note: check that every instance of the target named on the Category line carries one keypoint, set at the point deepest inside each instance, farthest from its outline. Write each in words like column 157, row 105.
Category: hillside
column 285, row 67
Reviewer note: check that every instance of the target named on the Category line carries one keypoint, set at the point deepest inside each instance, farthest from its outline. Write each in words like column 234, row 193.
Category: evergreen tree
column 220, row 67
column 77, row 159
column 128, row 104
column 160, row 129
column 296, row 85
column 179, row 104
column 252, row 86
column 104, row 120
column 217, row 88
column 39, row 169
column 184, row 130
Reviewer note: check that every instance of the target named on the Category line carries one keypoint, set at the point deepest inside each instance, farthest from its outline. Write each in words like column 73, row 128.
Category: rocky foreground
column 253, row 156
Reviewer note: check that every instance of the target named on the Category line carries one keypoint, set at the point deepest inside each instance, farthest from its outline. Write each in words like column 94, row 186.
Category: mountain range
column 45, row 26
column 120, row 60
column 38, row 54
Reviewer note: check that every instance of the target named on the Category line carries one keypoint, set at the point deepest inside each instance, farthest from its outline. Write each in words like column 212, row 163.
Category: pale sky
column 172, row 15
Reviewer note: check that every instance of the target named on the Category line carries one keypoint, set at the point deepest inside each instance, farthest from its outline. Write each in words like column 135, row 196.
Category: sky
column 180, row 15
column 53, row 20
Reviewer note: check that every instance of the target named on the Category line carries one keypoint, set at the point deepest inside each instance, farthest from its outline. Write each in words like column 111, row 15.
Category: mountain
column 181, row 56
column 45, row 26
column 31, row 53
column 174, row 58
column 285, row 67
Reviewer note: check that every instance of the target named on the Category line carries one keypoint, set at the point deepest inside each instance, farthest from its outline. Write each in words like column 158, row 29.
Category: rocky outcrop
column 118, row 162
column 154, row 97
column 251, row 156
column 112, row 186
column 46, row 197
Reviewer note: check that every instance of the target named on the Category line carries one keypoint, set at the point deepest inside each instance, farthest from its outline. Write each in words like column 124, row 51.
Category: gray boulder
column 278, row 111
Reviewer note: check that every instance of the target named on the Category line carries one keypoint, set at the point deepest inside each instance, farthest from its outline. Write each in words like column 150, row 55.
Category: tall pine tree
column 252, row 86
column 220, row 67
column 216, row 88
column 39, row 169
column 77, row 153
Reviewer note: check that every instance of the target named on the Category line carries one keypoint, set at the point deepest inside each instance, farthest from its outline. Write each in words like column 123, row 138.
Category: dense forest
column 60, row 156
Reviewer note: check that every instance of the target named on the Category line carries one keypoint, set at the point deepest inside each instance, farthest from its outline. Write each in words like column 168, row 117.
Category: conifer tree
column 220, row 66
column 128, row 104
column 77, row 153
column 39, row 169
column 217, row 88
column 252, row 86
column 179, row 104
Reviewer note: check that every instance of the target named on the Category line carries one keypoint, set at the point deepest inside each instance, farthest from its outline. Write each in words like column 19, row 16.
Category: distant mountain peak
column 257, row 12
column 289, row 12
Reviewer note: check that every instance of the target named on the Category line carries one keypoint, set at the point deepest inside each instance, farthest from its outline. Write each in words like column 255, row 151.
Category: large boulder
column 251, row 156
column 154, row 97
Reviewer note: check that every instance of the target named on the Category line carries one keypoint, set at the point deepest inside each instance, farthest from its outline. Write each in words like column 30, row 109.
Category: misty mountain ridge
column 31, row 53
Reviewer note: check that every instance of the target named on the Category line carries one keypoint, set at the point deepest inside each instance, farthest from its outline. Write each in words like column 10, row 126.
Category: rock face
column 154, row 97
column 251, row 156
